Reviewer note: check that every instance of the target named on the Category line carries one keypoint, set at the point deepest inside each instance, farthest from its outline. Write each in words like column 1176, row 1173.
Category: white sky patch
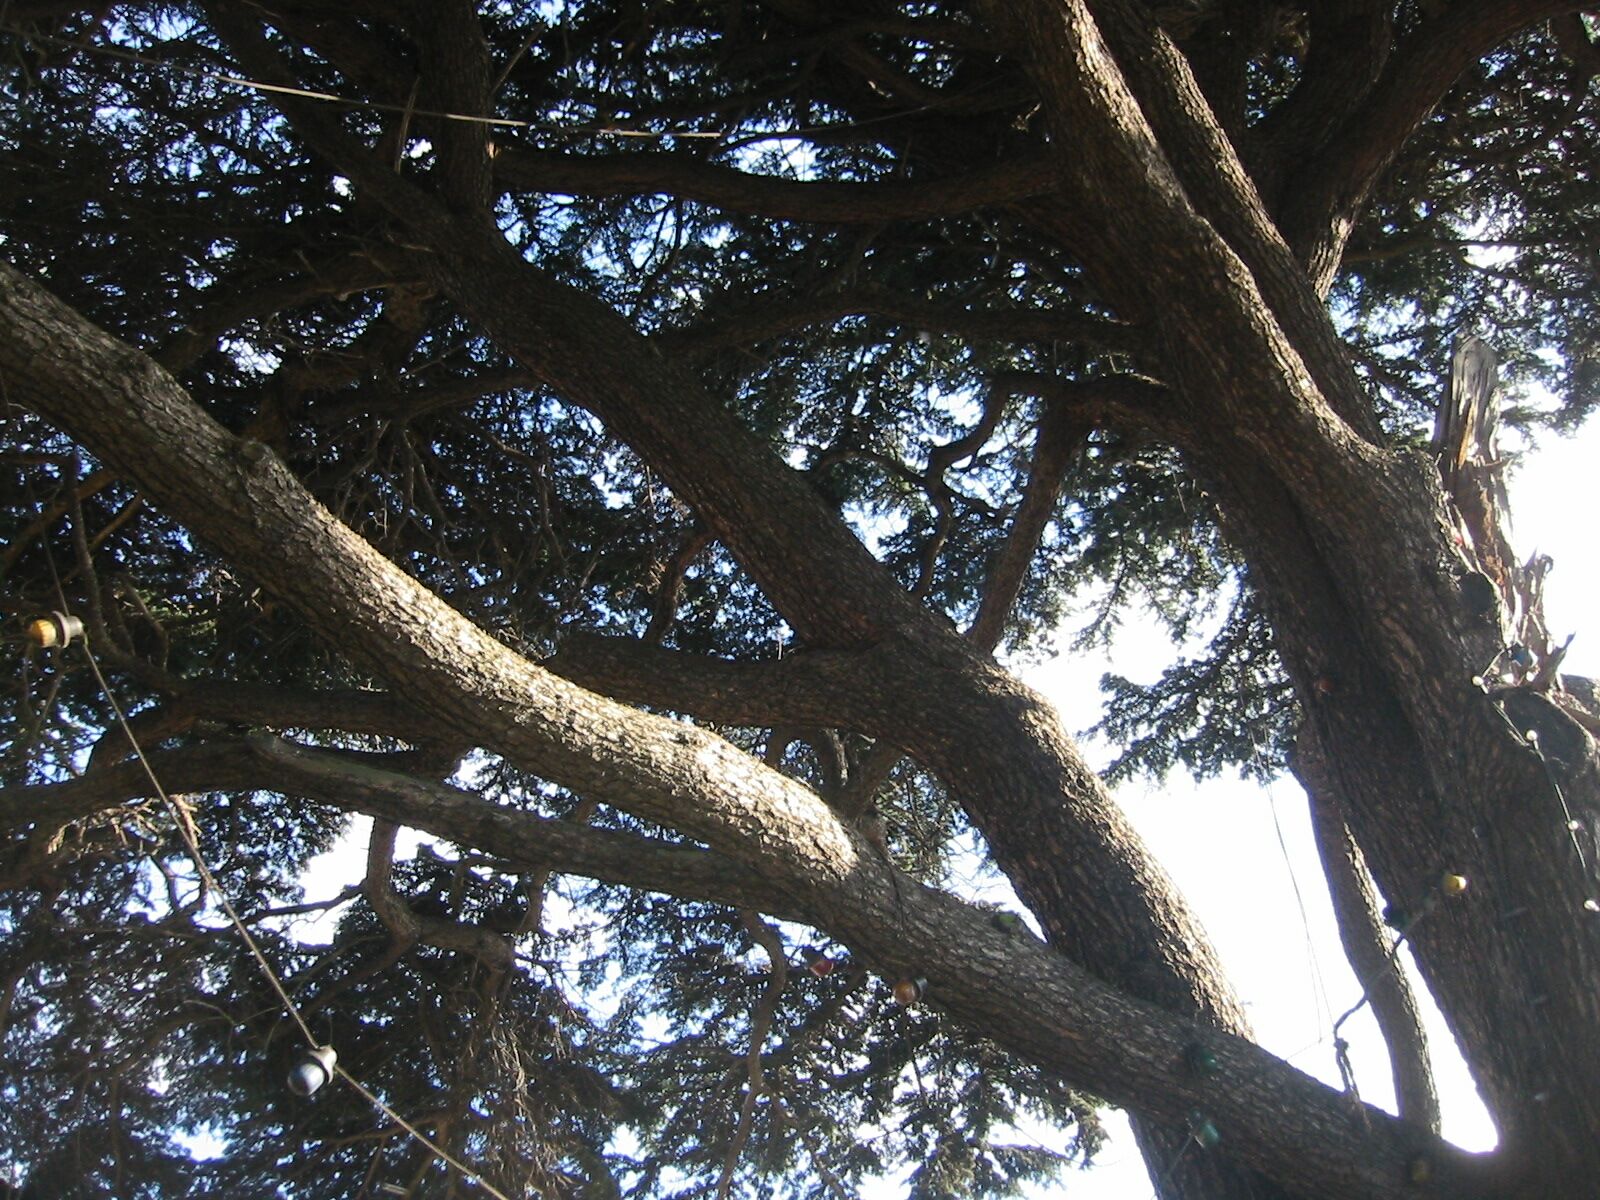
column 797, row 154
column 203, row 1144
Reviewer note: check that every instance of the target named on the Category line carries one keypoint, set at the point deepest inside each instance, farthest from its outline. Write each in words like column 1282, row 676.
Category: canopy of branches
column 456, row 267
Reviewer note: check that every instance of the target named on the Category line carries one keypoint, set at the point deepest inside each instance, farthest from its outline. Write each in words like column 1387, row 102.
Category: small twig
column 778, row 978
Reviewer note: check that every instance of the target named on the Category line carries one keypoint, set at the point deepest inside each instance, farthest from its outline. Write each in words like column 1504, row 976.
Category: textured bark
column 1349, row 546
column 1352, row 554
column 1026, row 995
column 1048, row 820
column 1435, row 780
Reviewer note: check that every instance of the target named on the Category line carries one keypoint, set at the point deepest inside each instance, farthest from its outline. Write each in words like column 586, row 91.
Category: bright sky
column 1203, row 834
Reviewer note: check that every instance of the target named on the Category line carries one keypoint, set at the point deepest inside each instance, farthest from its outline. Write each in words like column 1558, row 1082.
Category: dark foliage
column 897, row 361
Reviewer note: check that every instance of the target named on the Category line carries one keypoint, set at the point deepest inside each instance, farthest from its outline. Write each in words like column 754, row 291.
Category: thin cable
column 1389, row 967
column 1172, row 1167
column 258, row 85
column 416, row 1133
column 1530, row 739
column 1324, row 1005
column 186, row 831
column 185, row 825
column 730, row 142
column 444, row 115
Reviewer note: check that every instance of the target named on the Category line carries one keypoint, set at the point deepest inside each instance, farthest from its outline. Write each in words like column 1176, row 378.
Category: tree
column 615, row 438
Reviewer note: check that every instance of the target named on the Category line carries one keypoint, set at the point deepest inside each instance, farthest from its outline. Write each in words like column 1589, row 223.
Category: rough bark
column 1348, row 542
column 1048, row 820
column 1351, row 551
column 1025, row 994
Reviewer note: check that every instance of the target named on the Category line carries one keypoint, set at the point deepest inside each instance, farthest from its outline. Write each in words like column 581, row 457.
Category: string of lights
column 318, row 1063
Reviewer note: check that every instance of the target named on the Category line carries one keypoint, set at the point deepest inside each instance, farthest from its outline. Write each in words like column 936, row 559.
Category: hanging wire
column 126, row 55
column 1193, row 1139
column 185, row 825
column 723, row 135
column 1391, row 964
column 1530, row 738
column 1320, row 983
column 466, row 1171
column 186, row 830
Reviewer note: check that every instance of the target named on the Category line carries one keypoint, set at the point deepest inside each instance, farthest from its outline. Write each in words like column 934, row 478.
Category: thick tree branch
column 1061, row 435
column 382, row 787
column 827, row 586
column 954, row 945
column 1244, row 363
column 521, row 168
column 378, row 714
column 1216, row 183
column 1350, row 42
column 453, row 62
column 1426, row 775
column 1100, row 897
column 798, row 690
column 244, row 501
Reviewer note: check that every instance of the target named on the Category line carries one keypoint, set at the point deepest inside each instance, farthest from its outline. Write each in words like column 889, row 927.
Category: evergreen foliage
column 909, row 362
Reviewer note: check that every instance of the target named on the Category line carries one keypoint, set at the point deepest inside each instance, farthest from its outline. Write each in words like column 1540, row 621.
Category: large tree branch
column 827, row 584
column 1432, row 779
column 1215, row 181
column 1061, row 435
column 453, row 77
column 798, row 690
column 1096, row 890
column 1231, row 364
column 247, row 504
column 377, row 714
column 1391, row 577
column 1349, row 43
column 382, row 786
column 1238, row 360
column 686, row 177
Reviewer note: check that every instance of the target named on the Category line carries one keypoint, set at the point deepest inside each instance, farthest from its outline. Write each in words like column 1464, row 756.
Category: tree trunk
column 1348, row 542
